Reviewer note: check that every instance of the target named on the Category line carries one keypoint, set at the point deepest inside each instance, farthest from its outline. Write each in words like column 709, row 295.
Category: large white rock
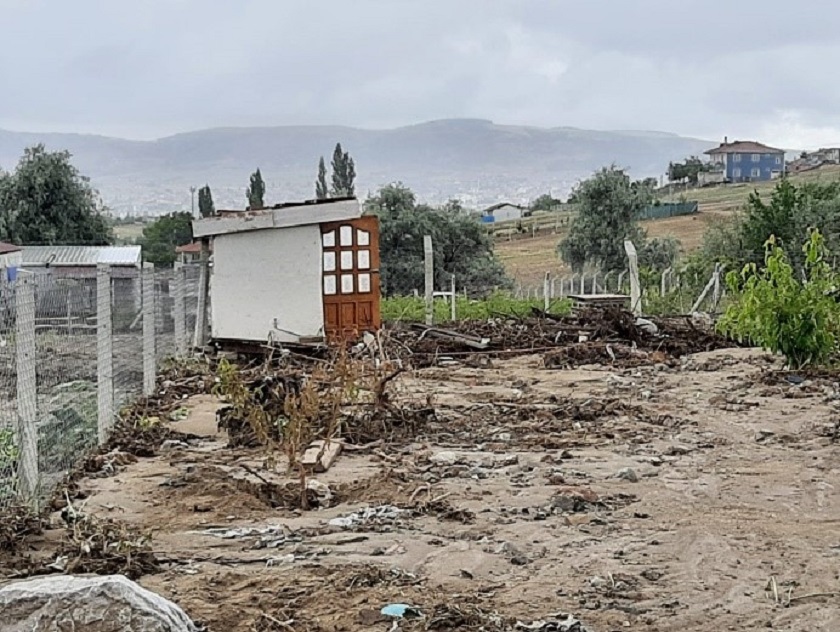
column 87, row 604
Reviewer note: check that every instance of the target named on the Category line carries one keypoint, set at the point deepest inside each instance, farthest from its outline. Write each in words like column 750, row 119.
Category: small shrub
column 781, row 313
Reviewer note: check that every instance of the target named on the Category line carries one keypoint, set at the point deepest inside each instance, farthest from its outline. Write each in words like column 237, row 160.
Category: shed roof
column 495, row 207
column 285, row 215
column 6, row 248
column 744, row 147
column 81, row 255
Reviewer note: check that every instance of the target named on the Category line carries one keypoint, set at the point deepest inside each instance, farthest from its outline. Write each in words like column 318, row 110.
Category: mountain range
column 476, row 161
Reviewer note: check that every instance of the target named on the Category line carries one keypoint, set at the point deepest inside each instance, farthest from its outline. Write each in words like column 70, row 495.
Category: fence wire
column 53, row 360
column 9, row 486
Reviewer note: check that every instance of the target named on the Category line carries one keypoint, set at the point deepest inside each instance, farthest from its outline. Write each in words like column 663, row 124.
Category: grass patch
column 413, row 309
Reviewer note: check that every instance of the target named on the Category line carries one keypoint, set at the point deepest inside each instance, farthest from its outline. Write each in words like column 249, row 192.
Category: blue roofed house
column 747, row 161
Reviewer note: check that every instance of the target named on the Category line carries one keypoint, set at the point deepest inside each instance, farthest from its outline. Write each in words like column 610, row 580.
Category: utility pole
column 192, row 200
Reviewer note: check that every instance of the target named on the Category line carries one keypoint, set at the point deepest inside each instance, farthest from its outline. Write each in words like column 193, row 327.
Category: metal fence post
column 179, row 291
column 149, row 368
column 27, row 393
column 104, row 352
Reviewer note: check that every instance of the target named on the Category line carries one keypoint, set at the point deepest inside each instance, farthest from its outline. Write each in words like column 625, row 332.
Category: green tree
column 545, row 202
column 688, row 169
column 46, row 201
column 784, row 311
column 608, row 205
column 321, row 190
column 461, row 245
column 343, row 173
column 256, row 191
column 162, row 236
column 206, row 208
column 788, row 214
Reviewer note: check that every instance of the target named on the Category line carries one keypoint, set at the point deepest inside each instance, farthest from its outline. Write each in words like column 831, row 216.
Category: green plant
column 8, row 448
column 497, row 304
column 778, row 311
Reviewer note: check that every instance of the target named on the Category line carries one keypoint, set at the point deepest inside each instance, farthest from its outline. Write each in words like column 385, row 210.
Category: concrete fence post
column 454, row 299
column 429, row 273
column 179, row 292
column 200, row 332
column 27, row 391
column 104, row 352
column 547, row 291
column 635, row 288
column 149, row 358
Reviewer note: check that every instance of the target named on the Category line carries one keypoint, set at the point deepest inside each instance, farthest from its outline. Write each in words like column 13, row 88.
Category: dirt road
column 653, row 498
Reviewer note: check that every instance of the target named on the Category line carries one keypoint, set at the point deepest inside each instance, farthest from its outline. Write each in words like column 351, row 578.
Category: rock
column 516, row 556
column 506, row 460
column 88, row 604
column 597, row 582
column 628, row 474
column 652, row 574
column 445, row 458
column 763, row 435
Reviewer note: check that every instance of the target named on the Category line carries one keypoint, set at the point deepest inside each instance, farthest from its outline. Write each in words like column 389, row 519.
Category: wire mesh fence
column 75, row 346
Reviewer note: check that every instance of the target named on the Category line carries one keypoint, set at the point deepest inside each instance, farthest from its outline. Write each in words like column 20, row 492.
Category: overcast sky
column 763, row 69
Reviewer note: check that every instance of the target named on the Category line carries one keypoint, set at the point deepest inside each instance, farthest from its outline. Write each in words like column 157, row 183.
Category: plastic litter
column 383, row 513
column 401, row 611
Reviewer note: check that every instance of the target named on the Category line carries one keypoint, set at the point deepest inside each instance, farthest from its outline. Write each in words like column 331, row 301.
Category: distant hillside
column 474, row 160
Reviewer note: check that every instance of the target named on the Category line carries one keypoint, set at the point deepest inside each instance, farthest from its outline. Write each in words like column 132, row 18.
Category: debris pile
column 103, row 547
column 611, row 336
column 17, row 523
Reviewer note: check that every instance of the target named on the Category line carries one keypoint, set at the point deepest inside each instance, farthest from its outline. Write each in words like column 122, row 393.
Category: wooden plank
column 320, row 455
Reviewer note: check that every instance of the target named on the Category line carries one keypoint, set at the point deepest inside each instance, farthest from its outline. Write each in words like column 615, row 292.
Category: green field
column 128, row 232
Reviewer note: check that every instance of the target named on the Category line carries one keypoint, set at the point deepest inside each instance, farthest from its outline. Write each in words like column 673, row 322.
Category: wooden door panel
column 350, row 268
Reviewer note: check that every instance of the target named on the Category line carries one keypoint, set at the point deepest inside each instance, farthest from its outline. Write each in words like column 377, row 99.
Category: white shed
column 503, row 212
column 293, row 273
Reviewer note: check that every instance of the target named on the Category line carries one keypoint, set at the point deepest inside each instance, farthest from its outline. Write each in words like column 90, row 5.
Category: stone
column 88, row 604
column 628, row 474
column 445, row 458
column 763, row 435
column 597, row 582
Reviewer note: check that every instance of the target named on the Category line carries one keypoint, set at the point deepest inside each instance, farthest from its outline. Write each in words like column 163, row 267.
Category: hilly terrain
column 476, row 161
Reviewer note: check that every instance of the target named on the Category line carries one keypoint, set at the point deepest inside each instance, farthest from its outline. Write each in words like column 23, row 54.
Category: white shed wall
column 265, row 277
column 507, row 213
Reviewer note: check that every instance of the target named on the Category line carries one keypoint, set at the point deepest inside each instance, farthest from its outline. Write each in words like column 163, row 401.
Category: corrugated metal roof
column 81, row 255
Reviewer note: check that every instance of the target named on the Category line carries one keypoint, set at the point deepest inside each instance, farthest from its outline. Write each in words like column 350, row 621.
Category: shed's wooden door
column 351, row 276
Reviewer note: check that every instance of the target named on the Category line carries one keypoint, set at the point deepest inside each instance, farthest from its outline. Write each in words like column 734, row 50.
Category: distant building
column 814, row 160
column 503, row 212
column 72, row 270
column 10, row 260
column 189, row 253
column 747, row 161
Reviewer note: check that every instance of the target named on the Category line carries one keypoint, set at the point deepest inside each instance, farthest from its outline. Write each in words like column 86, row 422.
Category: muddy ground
column 691, row 497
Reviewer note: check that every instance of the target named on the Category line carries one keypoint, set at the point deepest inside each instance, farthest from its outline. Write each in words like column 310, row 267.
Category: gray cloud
column 751, row 69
